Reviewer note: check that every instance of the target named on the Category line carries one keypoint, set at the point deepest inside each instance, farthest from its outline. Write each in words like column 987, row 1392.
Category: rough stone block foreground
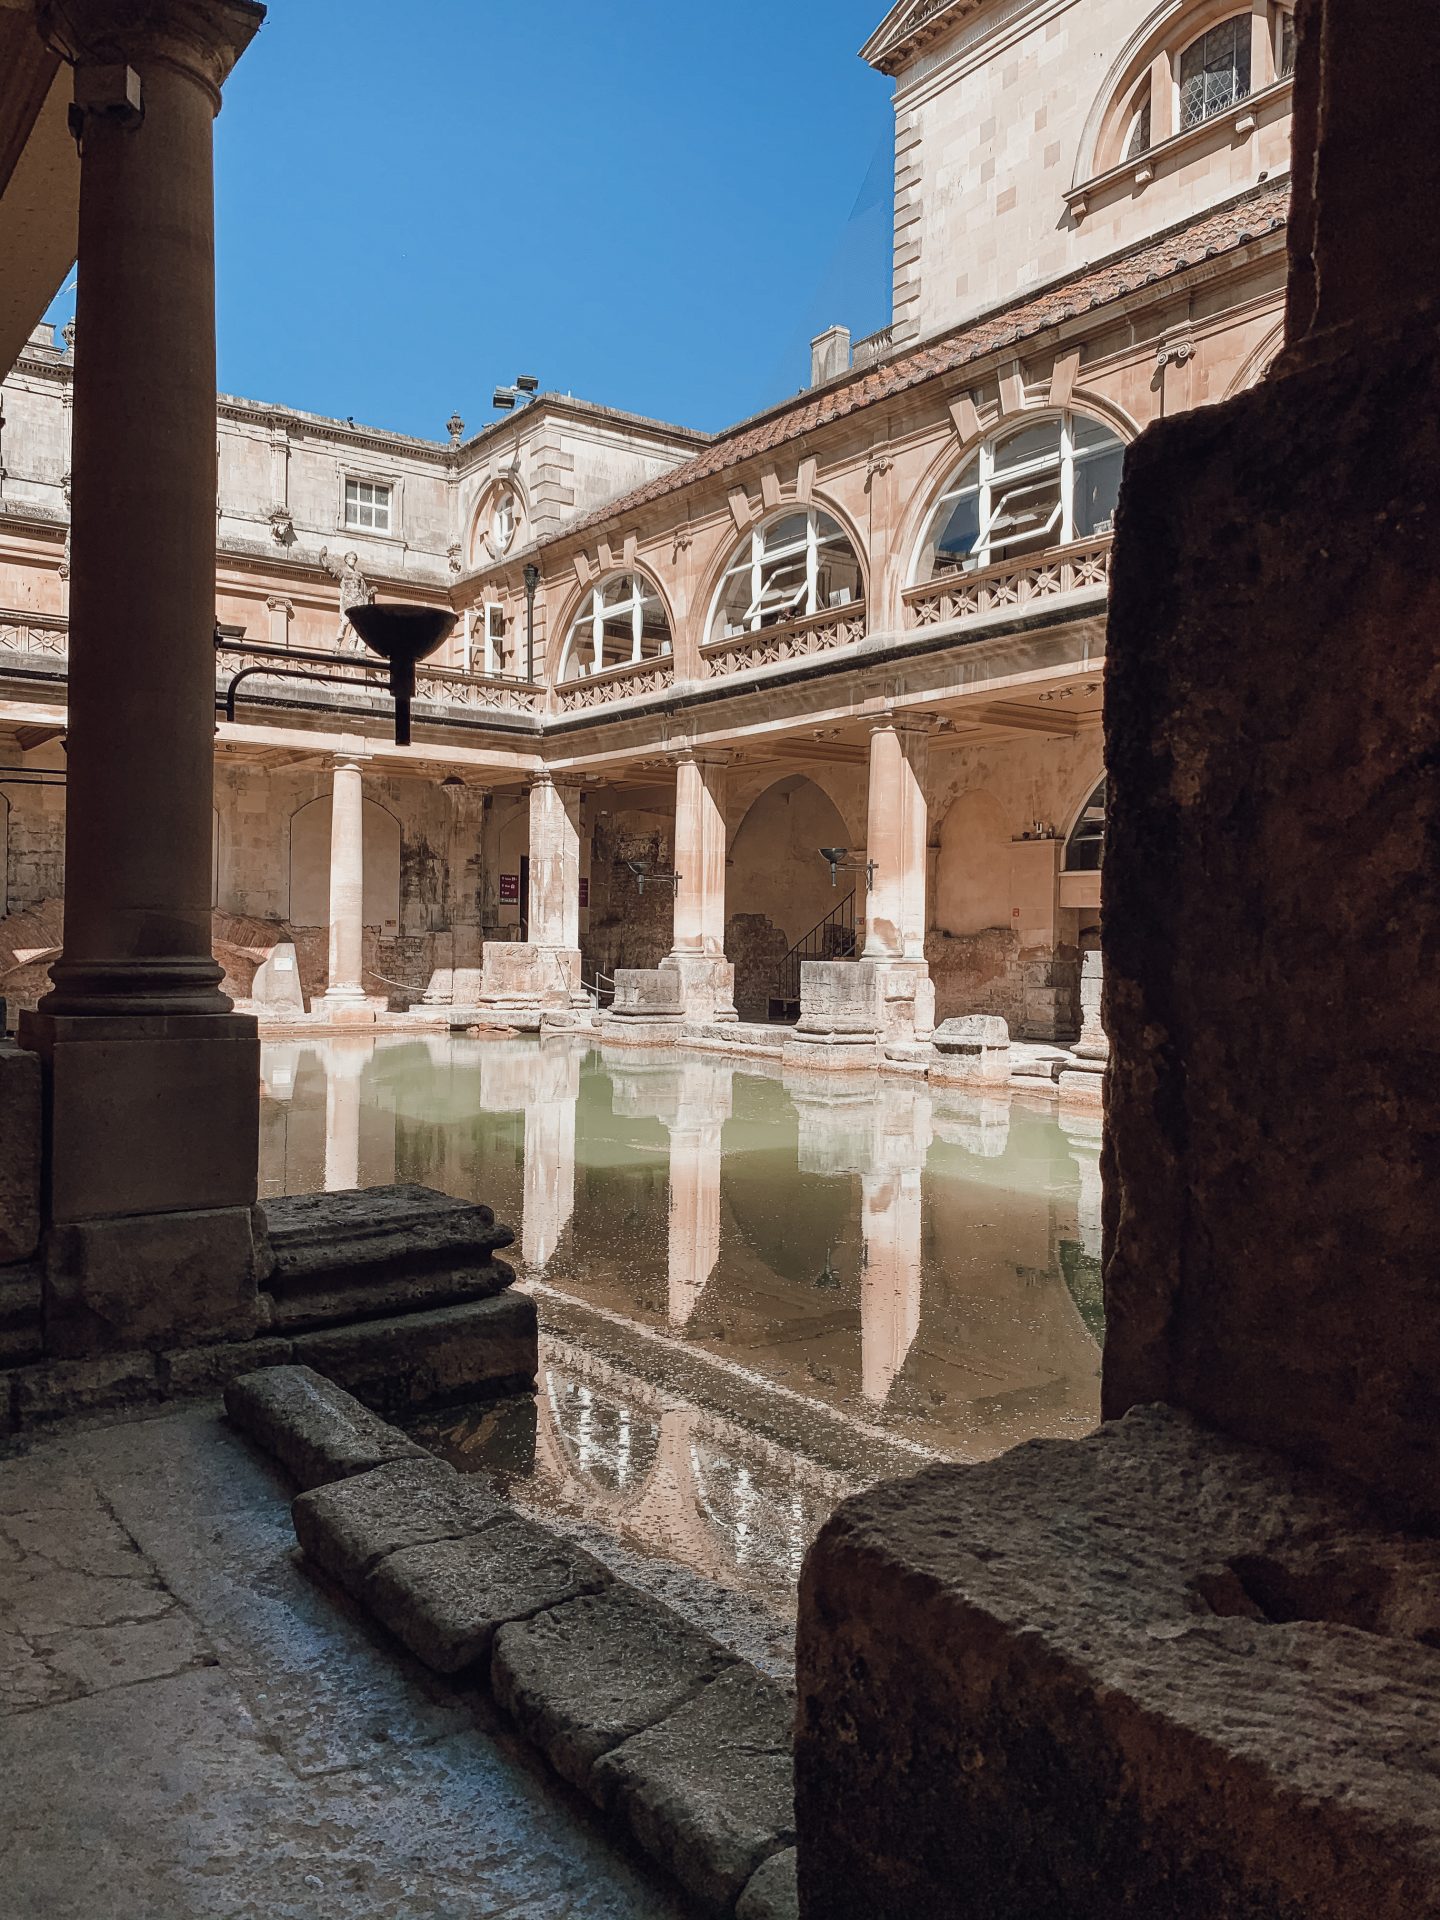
column 1153, row 1672
column 314, row 1428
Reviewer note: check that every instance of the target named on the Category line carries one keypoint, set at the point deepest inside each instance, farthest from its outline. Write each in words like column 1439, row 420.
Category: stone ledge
column 709, row 1790
column 318, row 1432
column 626, row 1699
column 350, row 1526
column 446, row 1601
column 581, row 1678
column 1153, row 1671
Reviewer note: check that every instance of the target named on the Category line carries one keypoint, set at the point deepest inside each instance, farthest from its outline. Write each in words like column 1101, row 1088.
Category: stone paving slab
column 581, row 1678
column 349, row 1527
column 316, row 1430
column 709, row 1791
column 446, row 1601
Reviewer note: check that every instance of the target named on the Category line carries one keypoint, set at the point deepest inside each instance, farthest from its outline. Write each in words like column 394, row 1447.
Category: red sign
column 509, row 889
column 584, row 892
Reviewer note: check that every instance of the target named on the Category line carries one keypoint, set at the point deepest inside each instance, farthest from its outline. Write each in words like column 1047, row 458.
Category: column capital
column 892, row 722
column 701, row 756
column 199, row 38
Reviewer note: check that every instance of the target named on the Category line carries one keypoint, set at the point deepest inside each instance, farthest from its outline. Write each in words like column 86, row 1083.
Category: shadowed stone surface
column 583, row 1677
column 427, row 1359
column 1272, row 911
column 349, row 1527
column 20, row 1134
column 379, row 1250
column 280, row 1762
column 446, row 1601
column 772, row 1893
column 19, row 1314
column 315, row 1429
column 709, row 1790
column 1150, row 1672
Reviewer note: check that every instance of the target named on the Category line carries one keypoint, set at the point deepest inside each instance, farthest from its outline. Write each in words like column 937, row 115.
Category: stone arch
column 774, row 863
column 1259, row 362
column 707, row 597
column 309, row 876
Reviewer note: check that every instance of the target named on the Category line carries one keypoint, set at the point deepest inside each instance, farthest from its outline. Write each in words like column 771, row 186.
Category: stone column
column 345, row 998
column 152, row 1081
column 697, row 959
column 345, row 1064
column 539, row 978
column 901, row 1129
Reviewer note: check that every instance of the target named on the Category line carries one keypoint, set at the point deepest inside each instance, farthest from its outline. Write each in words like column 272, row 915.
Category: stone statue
column 355, row 591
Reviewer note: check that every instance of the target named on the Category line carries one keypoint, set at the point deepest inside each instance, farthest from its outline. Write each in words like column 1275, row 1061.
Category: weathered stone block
column 708, row 1792
column 1284, row 1133
column 315, row 1429
column 583, row 1677
column 446, row 1601
column 350, row 1526
column 379, row 1250
column 772, row 1893
column 974, row 1050
column 20, row 1125
column 1150, row 1672
column 646, row 994
column 151, row 1281
column 426, row 1359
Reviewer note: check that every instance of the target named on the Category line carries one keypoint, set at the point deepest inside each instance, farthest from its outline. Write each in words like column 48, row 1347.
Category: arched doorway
column 778, row 889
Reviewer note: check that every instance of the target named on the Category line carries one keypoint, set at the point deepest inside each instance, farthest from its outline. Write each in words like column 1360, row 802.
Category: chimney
column 829, row 355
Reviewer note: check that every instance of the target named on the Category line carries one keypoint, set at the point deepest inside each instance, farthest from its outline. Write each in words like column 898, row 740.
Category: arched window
column 1036, row 487
column 1085, row 849
column 1214, row 71
column 799, row 563
column 504, row 519
column 621, row 620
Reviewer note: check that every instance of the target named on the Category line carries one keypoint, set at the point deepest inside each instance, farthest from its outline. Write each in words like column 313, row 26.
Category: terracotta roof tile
column 1259, row 212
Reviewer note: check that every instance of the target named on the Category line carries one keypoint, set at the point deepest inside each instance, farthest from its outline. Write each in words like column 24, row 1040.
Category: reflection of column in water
column 1083, row 1132
column 549, row 1198
column 694, row 1215
column 890, row 1212
column 345, row 1063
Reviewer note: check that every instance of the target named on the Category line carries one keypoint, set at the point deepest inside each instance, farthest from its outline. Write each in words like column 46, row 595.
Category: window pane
column 1215, row 71
column 1097, row 490
column 1030, row 444
column 1139, row 132
column 789, row 532
column 1287, row 45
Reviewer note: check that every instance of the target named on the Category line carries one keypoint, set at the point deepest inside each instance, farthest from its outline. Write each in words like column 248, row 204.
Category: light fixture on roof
column 506, row 399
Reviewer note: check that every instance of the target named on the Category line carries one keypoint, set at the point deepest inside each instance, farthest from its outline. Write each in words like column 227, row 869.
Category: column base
column 349, row 1009
column 889, row 1001
column 519, row 981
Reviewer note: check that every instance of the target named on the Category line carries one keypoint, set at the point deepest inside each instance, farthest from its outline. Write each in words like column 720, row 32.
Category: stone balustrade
column 792, row 640
column 1016, row 583
column 616, row 683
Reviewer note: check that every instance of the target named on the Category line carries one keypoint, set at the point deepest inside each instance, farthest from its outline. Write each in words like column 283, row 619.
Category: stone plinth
column 1272, row 915
column 891, row 1002
column 275, row 989
column 974, row 1050
column 1152, row 1672
column 520, row 982
column 684, row 986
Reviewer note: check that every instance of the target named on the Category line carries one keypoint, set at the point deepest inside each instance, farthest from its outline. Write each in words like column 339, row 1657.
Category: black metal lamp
column 402, row 634
column 655, row 876
column 840, row 862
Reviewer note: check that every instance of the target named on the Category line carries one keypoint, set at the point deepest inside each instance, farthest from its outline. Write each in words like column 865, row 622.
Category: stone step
column 379, row 1251
column 21, row 1331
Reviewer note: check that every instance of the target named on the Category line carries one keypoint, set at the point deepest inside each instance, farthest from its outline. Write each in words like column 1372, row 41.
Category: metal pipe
column 532, row 581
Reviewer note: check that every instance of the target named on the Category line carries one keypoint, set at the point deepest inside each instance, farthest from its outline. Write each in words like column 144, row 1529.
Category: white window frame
column 755, row 559
column 503, row 493
column 1242, row 20
column 977, row 476
column 595, row 611
column 377, row 488
column 493, row 637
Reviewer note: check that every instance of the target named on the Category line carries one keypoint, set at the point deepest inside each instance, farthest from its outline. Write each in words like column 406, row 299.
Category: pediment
column 910, row 26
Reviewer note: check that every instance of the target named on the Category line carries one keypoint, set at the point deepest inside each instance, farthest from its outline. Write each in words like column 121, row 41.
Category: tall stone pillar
column 345, row 1064
column 891, row 1206
column 345, row 999
column 152, row 1080
column 550, row 1150
column 847, row 1009
column 696, row 1123
column 539, row 977
column 706, row 979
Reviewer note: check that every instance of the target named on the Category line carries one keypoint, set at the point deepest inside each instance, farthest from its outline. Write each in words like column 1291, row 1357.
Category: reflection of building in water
column 552, row 1096
column 691, row 1098
column 345, row 1063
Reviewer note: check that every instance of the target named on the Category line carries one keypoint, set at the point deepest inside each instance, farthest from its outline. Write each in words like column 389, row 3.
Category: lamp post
column 839, row 861
column 532, row 581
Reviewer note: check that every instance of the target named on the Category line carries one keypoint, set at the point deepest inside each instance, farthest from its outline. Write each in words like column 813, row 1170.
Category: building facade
column 869, row 621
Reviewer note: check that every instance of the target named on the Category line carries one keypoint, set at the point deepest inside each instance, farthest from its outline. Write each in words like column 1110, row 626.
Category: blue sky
column 649, row 204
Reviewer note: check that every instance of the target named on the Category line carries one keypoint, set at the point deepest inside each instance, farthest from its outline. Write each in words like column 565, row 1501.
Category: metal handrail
column 833, row 938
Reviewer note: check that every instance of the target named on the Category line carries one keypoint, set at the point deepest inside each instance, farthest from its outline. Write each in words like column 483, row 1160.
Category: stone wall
column 755, row 947
column 628, row 928
column 1272, row 919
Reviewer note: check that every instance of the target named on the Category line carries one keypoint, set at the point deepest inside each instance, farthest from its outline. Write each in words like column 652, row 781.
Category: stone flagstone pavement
column 191, row 1726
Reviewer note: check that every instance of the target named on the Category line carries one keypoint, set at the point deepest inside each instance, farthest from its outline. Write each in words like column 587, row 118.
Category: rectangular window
column 367, row 506
column 1287, row 45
